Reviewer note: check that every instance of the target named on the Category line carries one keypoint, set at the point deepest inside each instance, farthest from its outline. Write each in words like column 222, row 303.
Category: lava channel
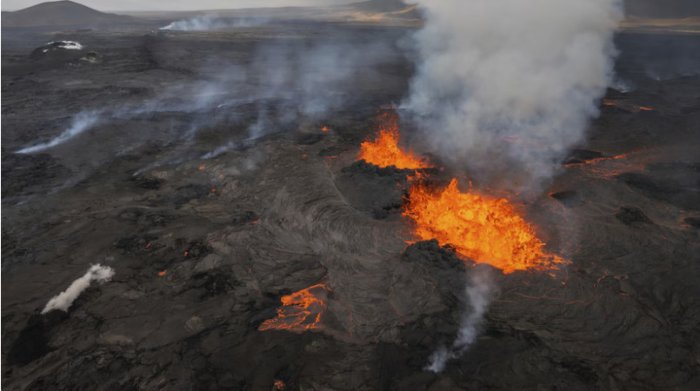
column 300, row 311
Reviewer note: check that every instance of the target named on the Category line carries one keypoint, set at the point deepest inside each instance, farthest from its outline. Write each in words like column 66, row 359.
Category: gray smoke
column 65, row 299
column 81, row 122
column 506, row 87
column 479, row 292
column 212, row 22
column 286, row 84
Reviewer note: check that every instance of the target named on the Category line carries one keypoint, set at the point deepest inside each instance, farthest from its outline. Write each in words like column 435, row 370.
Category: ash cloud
column 505, row 88
column 479, row 292
column 63, row 301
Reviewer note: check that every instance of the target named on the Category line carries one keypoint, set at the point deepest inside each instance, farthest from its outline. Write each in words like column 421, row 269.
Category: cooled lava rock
column 23, row 174
column 187, row 193
column 568, row 198
column 582, row 155
column 32, row 341
column 693, row 222
column 245, row 217
column 147, row 182
column 308, row 138
column 666, row 188
column 375, row 190
column 630, row 215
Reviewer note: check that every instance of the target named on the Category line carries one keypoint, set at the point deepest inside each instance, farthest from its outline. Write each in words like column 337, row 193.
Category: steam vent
column 338, row 195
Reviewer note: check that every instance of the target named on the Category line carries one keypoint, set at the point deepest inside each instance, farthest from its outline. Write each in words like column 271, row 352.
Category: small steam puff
column 81, row 123
column 479, row 292
column 65, row 299
column 507, row 87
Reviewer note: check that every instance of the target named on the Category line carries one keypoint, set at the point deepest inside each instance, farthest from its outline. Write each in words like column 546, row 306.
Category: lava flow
column 482, row 228
column 384, row 151
column 300, row 311
column 626, row 106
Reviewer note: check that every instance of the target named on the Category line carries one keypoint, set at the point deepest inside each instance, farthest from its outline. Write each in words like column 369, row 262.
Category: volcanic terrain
column 257, row 244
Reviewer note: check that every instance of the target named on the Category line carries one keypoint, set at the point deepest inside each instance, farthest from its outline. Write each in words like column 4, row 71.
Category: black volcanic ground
column 166, row 182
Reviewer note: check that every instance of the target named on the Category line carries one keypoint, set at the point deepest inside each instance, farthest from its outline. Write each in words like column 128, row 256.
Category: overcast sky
column 170, row 5
column 657, row 8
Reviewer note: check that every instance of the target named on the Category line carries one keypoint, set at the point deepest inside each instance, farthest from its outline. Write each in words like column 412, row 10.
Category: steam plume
column 81, row 123
column 507, row 87
column 213, row 22
column 479, row 292
column 65, row 299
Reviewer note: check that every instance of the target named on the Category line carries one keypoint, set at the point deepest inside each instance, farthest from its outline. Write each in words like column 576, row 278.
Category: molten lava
column 300, row 311
column 384, row 151
column 484, row 229
column 626, row 106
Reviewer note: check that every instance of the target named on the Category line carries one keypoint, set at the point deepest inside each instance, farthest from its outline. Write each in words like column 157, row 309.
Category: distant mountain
column 62, row 14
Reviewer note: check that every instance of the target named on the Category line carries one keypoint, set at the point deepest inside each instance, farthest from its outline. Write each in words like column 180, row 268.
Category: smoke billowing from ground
column 479, row 292
column 507, row 87
column 288, row 82
column 81, row 123
column 65, row 299
column 213, row 22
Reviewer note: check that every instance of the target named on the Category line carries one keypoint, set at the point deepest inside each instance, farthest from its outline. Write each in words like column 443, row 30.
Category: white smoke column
column 506, row 87
column 479, row 292
column 65, row 299
column 81, row 123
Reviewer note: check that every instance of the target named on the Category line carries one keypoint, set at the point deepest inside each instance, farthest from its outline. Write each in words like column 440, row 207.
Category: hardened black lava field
column 215, row 172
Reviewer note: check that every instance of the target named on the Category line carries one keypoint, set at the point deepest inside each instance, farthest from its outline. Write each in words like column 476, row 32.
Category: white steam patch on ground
column 68, row 45
column 506, row 87
column 81, row 123
column 65, row 299
column 479, row 292
column 213, row 22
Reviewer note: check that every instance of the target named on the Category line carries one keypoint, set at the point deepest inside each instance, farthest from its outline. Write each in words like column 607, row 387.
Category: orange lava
column 384, row 150
column 597, row 160
column 625, row 105
column 484, row 229
column 325, row 129
column 279, row 385
column 300, row 311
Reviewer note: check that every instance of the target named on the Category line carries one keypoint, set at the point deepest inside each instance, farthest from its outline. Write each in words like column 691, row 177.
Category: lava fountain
column 300, row 311
column 483, row 228
column 384, row 150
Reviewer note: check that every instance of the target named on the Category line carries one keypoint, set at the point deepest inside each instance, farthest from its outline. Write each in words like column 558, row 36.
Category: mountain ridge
column 62, row 13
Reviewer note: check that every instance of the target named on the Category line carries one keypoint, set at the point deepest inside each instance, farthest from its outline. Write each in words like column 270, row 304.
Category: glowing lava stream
column 300, row 311
column 384, row 151
column 482, row 228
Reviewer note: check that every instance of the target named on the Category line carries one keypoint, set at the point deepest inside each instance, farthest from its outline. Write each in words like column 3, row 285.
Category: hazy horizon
column 177, row 5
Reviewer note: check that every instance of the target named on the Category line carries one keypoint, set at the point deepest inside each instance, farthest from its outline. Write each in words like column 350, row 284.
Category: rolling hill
column 62, row 14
